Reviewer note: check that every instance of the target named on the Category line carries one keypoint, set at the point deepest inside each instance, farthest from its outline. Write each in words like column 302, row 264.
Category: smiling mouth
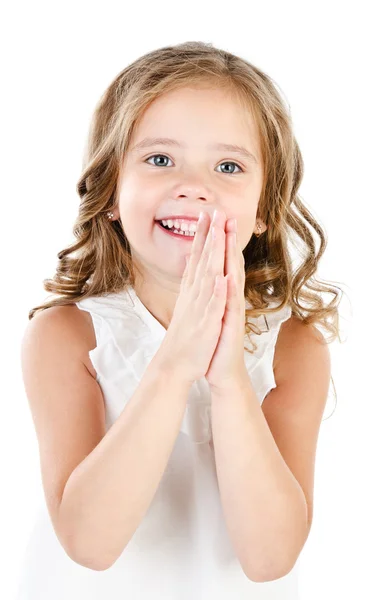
column 177, row 233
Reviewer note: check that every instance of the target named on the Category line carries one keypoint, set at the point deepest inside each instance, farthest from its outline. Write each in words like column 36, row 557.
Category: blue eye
column 223, row 163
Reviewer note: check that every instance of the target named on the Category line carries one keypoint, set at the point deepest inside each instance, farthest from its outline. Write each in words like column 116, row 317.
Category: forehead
column 199, row 116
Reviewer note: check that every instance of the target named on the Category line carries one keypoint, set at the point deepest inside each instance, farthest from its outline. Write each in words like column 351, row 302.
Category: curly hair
column 100, row 261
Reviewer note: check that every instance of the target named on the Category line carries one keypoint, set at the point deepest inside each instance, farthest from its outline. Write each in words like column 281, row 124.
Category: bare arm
column 109, row 492
column 263, row 504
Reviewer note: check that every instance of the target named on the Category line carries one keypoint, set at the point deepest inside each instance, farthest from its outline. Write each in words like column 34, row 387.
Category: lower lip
column 179, row 236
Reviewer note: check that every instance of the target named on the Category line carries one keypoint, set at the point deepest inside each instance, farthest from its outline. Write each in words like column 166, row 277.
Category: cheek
column 139, row 229
column 144, row 203
column 245, row 231
column 138, row 212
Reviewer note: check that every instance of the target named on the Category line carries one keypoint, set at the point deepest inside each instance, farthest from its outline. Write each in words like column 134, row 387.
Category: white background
column 57, row 59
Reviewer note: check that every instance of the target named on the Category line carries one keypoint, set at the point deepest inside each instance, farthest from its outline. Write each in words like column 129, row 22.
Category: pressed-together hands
column 206, row 332
column 227, row 364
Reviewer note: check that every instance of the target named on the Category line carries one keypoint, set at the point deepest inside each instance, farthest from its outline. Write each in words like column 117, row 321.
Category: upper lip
column 180, row 218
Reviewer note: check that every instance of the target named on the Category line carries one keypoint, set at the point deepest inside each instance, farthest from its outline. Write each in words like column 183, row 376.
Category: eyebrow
column 148, row 141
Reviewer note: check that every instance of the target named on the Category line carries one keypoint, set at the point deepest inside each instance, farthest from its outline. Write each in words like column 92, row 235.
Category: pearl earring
column 110, row 215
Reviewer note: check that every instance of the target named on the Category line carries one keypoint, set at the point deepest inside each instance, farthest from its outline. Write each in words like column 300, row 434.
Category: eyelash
column 223, row 163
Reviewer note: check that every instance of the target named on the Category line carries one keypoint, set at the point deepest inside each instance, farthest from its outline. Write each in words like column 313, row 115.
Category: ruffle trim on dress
column 123, row 349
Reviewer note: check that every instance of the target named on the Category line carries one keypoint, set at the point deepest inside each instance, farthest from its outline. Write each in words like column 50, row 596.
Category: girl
column 170, row 469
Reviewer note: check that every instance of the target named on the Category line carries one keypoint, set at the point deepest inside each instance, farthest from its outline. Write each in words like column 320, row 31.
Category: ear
column 115, row 213
column 263, row 226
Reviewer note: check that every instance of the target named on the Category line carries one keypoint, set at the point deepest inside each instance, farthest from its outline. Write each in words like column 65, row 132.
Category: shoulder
column 299, row 344
column 71, row 325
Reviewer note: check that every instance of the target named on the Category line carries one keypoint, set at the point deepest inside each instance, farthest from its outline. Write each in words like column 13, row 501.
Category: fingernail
column 200, row 217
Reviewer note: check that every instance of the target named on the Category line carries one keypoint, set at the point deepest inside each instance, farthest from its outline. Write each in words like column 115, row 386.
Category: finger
column 186, row 269
column 206, row 273
column 201, row 239
column 208, row 246
column 231, row 249
column 240, row 259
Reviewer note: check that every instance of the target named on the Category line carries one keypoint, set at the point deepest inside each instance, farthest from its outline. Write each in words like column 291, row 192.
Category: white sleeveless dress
column 181, row 549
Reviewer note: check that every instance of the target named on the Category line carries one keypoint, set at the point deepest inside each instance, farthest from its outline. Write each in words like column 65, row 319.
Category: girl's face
column 160, row 180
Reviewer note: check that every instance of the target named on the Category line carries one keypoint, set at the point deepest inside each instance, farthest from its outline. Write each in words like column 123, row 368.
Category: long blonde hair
column 100, row 261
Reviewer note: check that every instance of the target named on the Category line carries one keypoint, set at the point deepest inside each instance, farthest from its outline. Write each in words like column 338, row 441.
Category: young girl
column 178, row 462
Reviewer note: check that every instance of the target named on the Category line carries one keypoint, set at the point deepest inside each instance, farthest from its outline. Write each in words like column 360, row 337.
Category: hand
column 196, row 322
column 228, row 365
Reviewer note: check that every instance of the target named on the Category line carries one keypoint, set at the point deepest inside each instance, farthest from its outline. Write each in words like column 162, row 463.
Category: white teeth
column 181, row 227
